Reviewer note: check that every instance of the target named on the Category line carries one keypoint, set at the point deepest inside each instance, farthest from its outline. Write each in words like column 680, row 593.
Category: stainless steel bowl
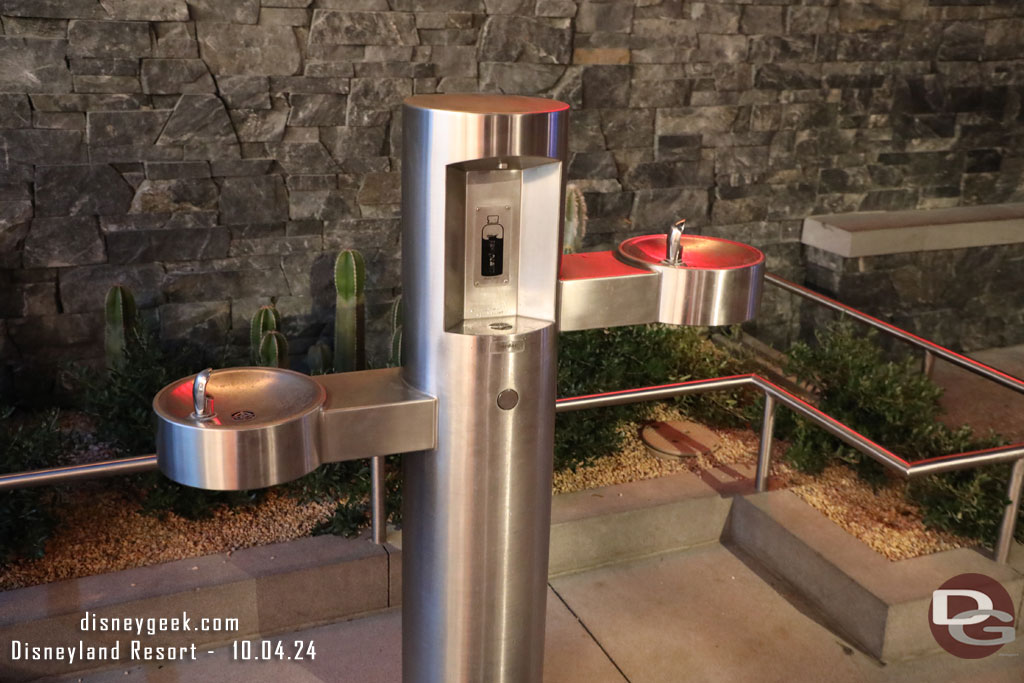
column 261, row 428
column 716, row 281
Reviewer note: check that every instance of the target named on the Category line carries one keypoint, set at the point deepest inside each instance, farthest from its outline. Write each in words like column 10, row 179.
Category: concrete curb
column 285, row 587
column 879, row 604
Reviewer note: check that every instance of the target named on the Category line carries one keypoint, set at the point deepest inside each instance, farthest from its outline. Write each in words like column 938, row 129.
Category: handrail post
column 764, row 449
column 929, row 364
column 378, row 511
column 1009, row 524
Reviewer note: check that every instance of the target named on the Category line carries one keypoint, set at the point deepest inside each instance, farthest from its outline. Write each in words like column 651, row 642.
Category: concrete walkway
column 700, row 615
column 973, row 400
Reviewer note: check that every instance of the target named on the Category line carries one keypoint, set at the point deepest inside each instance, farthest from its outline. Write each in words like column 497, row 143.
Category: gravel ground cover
column 103, row 531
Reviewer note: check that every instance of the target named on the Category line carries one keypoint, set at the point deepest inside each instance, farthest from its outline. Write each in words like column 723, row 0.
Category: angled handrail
column 773, row 394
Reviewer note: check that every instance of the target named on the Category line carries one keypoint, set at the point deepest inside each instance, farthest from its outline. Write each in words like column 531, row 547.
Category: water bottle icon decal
column 492, row 248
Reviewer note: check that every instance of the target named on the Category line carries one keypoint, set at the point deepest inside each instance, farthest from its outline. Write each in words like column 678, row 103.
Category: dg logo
column 972, row 616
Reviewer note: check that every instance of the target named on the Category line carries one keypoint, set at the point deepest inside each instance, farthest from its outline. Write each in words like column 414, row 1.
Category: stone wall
column 213, row 154
column 964, row 299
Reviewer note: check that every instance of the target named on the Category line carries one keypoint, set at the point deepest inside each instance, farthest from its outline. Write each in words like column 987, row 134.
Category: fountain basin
column 264, row 429
column 717, row 281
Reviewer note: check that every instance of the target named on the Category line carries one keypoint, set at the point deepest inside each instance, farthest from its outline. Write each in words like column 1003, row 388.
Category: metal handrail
column 931, row 349
column 772, row 393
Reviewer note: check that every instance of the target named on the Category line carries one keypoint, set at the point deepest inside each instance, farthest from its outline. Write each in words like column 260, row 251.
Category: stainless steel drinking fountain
column 486, row 291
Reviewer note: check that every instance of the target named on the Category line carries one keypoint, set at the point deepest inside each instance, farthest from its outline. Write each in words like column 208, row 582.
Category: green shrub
column 28, row 516
column 121, row 401
column 595, row 361
column 894, row 403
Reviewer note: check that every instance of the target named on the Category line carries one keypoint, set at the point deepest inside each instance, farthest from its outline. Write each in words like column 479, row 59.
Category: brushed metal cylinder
column 477, row 509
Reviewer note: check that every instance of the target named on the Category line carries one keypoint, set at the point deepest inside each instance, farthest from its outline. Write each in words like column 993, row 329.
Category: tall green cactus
column 575, row 220
column 349, row 320
column 319, row 358
column 396, row 333
column 121, row 321
column 266, row 319
column 273, row 350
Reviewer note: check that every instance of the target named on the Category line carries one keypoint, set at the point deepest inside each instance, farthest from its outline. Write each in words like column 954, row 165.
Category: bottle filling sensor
column 486, row 290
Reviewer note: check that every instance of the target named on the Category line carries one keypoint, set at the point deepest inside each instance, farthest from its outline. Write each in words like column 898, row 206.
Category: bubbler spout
column 674, row 243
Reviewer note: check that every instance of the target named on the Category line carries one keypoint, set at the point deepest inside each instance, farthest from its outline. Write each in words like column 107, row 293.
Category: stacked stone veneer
column 213, row 154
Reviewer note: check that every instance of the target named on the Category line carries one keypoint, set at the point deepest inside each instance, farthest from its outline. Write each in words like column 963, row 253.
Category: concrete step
column 880, row 605
column 312, row 581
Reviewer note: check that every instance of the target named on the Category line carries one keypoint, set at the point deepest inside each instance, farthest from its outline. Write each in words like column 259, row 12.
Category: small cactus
column 265, row 320
column 121, row 321
column 349, row 281
column 396, row 333
column 273, row 350
column 319, row 358
column 575, row 220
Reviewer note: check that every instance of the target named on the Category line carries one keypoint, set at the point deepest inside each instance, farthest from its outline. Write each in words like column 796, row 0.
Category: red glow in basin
column 706, row 253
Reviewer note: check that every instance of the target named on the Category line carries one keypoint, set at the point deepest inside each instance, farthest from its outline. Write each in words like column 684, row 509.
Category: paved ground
column 702, row 615
column 973, row 400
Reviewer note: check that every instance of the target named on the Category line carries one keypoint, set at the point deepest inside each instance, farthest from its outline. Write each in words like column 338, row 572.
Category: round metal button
column 508, row 399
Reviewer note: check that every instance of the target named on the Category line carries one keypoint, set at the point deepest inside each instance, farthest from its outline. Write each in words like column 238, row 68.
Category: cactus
column 319, row 358
column 121, row 321
column 265, row 320
column 273, row 350
column 396, row 333
column 349, row 281
column 575, row 220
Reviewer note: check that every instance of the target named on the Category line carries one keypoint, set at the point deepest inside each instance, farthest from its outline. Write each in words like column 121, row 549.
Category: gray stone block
column 228, row 278
column 125, row 128
column 328, row 205
column 29, row 299
column 555, row 8
column 520, row 39
column 55, row 242
column 30, row 64
column 170, row 170
column 260, row 125
column 146, row 10
column 245, row 92
column 174, row 40
column 55, row 9
column 106, row 84
column 204, row 323
column 147, row 246
column 354, row 142
column 82, row 189
column 331, row 27
column 42, row 146
column 29, row 27
column 381, row 188
column 104, row 66
column 660, row 207
column 249, row 50
column 625, row 128
column 227, row 11
column 317, row 110
column 15, row 112
column 253, row 199
column 522, row 77
column 303, row 158
column 165, row 196
column 109, row 39
column 173, row 76
column 370, row 100
column 604, row 17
